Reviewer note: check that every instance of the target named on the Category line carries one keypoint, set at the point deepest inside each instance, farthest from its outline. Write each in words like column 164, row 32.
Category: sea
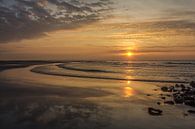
column 144, row 71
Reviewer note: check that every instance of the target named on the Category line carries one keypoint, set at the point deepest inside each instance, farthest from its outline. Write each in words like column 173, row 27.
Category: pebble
column 191, row 111
column 169, row 102
column 154, row 112
column 192, row 83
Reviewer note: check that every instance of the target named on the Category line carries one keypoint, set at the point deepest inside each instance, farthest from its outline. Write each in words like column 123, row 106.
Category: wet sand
column 36, row 101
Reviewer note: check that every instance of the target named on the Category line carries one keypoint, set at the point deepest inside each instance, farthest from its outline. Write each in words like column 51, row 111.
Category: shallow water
column 90, row 95
column 147, row 71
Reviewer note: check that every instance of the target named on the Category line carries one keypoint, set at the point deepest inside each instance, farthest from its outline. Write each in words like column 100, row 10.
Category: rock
column 191, row 92
column 178, row 98
column 182, row 86
column 158, row 103
column 168, row 95
column 165, row 89
column 184, row 89
column 154, row 112
column 191, row 111
column 189, row 98
column 169, row 102
column 192, row 84
column 190, row 103
column 185, row 114
column 181, row 94
column 168, row 89
column 171, row 89
column 178, row 89
column 177, row 85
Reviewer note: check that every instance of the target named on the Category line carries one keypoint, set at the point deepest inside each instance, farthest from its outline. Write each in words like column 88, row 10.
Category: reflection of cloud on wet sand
column 50, row 106
column 52, row 113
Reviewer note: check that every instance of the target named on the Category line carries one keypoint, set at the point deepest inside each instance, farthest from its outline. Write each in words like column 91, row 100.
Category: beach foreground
column 41, row 95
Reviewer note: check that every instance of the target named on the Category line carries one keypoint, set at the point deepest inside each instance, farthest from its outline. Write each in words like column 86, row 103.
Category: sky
column 97, row 30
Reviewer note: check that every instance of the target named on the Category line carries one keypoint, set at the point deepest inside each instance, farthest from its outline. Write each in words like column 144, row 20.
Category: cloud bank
column 21, row 19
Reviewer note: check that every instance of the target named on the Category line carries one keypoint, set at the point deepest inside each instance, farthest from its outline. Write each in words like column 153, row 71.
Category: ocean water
column 145, row 71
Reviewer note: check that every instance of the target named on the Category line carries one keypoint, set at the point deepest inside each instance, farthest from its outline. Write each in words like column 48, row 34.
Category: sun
column 129, row 53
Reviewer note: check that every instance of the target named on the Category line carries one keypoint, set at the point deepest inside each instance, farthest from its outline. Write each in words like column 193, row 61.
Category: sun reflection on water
column 128, row 91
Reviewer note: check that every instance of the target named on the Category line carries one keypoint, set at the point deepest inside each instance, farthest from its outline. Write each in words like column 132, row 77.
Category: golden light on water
column 128, row 91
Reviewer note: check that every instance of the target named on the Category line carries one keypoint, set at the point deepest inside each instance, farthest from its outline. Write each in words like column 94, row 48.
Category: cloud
column 155, row 50
column 179, row 13
column 21, row 19
column 151, row 29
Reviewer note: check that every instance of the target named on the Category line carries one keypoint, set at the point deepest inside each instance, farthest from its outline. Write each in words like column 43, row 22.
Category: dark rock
column 177, row 85
column 158, row 103
column 171, row 89
column 168, row 89
column 181, row 94
column 191, row 111
column 169, row 102
column 186, row 89
column 190, row 103
column 182, row 86
column 168, row 95
column 154, row 112
column 190, row 98
column 192, row 84
column 165, row 89
column 178, row 98
column 191, row 92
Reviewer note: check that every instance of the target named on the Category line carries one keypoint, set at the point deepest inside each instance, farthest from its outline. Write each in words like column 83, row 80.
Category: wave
column 85, row 70
column 180, row 63
column 54, row 73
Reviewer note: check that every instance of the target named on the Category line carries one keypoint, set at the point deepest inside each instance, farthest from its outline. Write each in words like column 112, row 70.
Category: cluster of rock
column 178, row 94
column 181, row 94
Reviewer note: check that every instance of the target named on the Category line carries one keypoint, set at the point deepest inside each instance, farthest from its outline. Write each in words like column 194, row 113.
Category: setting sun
column 129, row 53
